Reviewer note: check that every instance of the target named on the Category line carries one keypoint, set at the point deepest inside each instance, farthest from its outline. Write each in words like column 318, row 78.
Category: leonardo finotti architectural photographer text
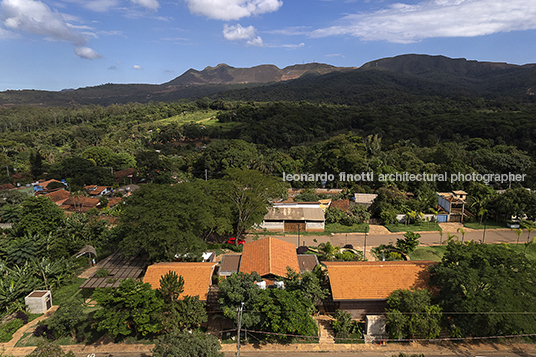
column 405, row 176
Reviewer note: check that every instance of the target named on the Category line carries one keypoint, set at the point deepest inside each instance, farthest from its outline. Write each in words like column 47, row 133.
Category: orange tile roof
column 341, row 204
column 269, row 256
column 375, row 280
column 197, row 276
column 7, row 186
column 58, row 196
column 79, row 204
column 44, row 184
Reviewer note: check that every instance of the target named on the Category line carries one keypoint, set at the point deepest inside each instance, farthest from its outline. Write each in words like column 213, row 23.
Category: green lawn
column 68, row 292
column 329, row 228
column 428, row 253
column 435, row 253
column 488, row 225
column 421, row 227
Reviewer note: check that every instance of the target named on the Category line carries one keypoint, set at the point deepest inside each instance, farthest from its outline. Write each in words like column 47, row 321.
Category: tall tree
column 129, row 309
column 250, row 192
column 39, row 215
column 166, row 221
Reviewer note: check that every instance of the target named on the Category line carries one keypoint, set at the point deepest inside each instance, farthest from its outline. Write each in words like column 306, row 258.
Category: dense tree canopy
column 166, row 221
column 486, row 290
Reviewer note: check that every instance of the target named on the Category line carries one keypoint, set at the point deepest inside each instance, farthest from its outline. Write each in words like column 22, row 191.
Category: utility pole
column 484, row 233
column 240, row 309
column 365, row 248
column 298, row 236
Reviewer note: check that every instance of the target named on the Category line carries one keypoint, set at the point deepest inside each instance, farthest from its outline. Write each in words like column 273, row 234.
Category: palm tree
column 530, row 227
column 462, row 231
column 518, row 232
column 329, row 250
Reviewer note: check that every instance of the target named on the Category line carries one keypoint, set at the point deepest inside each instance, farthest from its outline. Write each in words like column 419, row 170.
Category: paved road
column 510, row 352
column 358, row 239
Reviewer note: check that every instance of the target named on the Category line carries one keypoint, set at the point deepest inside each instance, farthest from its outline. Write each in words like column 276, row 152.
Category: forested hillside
column 171, row 141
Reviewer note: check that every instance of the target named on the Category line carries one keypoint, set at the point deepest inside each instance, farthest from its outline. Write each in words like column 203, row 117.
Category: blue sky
column 57, row 44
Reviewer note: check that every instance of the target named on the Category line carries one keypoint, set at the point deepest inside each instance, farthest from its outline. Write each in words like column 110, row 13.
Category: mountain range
column 396, row 79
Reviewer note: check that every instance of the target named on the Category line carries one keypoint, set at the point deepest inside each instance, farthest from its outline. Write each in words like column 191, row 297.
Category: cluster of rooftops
column 350, row 282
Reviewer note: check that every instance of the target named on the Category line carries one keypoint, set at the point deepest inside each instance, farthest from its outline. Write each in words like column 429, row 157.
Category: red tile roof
column 122, row 173
column 341, row 204
column 269, row 256
column 59, row 196
column 375, row 280
column 7, row 186
column 44, row 184
column 197, row 276
column 79, row 204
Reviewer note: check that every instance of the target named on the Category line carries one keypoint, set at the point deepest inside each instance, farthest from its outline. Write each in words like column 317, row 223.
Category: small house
column 453, row 203
column 197, row 276
column 362, row 288
column 294, row 217
column 269, row 257
column 39, row 301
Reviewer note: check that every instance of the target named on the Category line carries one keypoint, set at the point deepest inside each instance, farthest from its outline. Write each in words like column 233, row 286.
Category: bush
column 102, row 273
column 66, row 318
column 302, row 250
column 350, row 220
column 22, row 316
column 343, row 326
column 7, row 330
column 49, row 349
column 43, row 329
column 187, row 344
column 335, row 215
column 348, row 256
column 234, row 248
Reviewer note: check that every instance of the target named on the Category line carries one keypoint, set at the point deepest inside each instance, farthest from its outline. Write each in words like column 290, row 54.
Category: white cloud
column 292, row 46
column 403, row 23
column 237, row 32
column 136, row 67
column 37, row 18
column 257, row 41
column 292, row 31
column 150, row 4
column 87, row 53
column 99, row 5
column 232, row 9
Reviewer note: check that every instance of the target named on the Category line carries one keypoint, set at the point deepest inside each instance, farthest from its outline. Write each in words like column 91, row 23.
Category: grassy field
column 421, row 227
column 205, row 117
column 489, row 225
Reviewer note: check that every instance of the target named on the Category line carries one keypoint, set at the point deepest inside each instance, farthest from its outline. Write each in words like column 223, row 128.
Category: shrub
column 186, row 344
column 302, row 250
column 49, row 349
column 350, row 220
column 65, row 319
column 43, row 329
column 343, row 326
column 22, row 316
column 7, row 330
column 102, row 273
column 335, row 215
